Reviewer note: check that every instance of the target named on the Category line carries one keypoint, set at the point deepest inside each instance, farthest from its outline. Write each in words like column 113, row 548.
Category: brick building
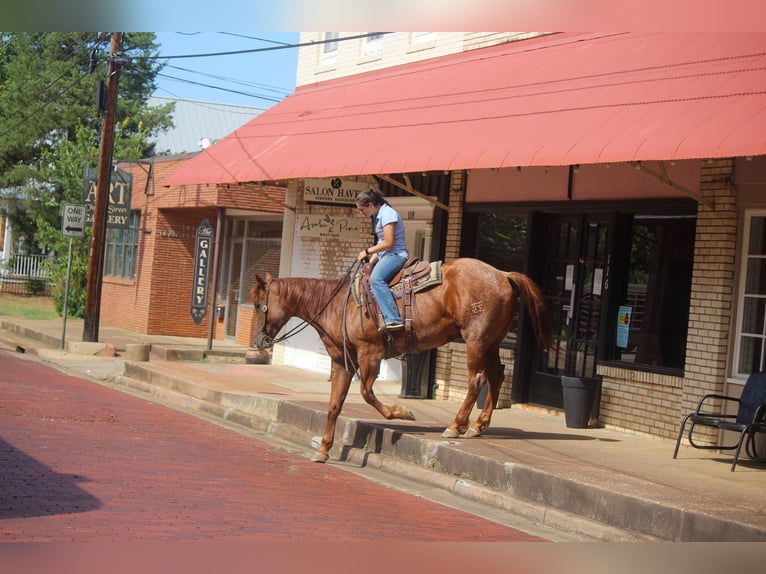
column 149, row 267
column 623, row 172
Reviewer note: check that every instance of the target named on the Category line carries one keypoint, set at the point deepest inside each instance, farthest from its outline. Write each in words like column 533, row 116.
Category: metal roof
column 196, row 121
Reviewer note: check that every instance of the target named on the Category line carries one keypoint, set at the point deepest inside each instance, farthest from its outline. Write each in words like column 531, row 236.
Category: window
column 122, row 249
column 329, row 50
column 751, row 322
column 653, row 304
column 502, row 241
column 372, row 44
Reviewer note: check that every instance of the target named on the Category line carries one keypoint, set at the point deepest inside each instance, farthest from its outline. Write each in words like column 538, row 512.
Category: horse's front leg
column 341, row 380
column 368, row 372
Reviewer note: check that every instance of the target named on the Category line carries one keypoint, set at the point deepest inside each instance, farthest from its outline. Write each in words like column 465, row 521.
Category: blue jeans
column 385, row 268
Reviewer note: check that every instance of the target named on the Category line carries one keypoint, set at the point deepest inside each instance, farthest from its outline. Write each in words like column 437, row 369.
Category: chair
column 749, row 420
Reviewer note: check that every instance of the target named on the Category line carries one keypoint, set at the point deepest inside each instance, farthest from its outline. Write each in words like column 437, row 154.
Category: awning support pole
column 663, row 177
column 409, row 189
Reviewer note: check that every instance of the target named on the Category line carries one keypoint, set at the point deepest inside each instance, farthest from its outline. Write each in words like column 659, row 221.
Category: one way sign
column 73, row 221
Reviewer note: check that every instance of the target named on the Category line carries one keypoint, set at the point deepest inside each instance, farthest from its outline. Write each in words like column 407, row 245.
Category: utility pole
column 101, row 206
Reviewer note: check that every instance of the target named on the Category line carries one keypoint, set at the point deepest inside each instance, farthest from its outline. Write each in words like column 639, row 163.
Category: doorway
column 573, row 250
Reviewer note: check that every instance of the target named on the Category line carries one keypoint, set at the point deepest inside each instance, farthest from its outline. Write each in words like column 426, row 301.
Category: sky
column 255, row 79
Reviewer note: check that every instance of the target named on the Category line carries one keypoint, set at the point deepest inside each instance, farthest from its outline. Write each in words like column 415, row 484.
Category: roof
column 561, row 99
column 196, row 121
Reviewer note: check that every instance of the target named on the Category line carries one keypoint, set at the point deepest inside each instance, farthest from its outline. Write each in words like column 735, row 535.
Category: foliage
column 50, row 132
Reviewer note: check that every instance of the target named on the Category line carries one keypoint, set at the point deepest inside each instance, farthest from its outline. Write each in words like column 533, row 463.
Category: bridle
column 263, row 341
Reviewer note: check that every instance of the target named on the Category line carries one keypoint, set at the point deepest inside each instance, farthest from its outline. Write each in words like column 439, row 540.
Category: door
column 233, row 283
column 575, row 255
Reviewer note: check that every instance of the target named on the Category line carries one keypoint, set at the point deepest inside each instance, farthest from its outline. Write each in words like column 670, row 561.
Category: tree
column 50, row 130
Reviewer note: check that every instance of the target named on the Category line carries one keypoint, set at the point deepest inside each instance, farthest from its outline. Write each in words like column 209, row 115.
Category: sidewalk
column 598, row 483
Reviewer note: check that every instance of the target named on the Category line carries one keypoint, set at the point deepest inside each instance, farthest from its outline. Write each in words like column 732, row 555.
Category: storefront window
column 653, row 313
column 751, row 335
column 122, row 249
column 502, row 241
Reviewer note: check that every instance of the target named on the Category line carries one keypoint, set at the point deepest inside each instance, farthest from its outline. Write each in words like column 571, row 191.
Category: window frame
column 744, row 259
column 122, row 246
column 328, row 52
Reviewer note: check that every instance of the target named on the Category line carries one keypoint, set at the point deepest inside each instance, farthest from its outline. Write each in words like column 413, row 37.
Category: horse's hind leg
column 341, row 380
column 494, row 372
column 483, row 368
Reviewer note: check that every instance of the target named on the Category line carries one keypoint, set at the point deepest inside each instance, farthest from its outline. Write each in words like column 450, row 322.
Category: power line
column 256, row 50
column 232, row 80
column 267, row 98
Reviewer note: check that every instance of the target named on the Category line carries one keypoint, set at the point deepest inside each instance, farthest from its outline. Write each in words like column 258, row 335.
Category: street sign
column 73, row 220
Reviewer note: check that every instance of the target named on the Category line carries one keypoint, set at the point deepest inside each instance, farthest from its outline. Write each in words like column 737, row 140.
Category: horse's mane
column 310, row 295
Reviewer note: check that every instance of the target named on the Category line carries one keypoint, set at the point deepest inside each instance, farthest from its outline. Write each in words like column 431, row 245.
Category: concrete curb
column 563, row 503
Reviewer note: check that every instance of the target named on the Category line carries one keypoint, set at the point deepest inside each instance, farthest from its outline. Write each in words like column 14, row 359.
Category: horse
column 474, row 300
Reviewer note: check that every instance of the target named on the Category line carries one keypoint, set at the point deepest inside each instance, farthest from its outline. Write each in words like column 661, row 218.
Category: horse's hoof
column 319, row 457
column 449, row 433
column 472, row 433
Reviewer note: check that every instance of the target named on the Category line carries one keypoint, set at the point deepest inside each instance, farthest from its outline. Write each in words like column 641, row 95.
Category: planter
column 579, row 394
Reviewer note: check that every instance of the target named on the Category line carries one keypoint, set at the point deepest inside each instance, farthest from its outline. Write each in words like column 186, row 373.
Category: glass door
column 572, row 280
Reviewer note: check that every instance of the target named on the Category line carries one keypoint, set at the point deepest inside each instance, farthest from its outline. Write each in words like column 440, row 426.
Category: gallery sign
column 118, row 211
column 335, row 190
column 328, row 226
column 202, row 260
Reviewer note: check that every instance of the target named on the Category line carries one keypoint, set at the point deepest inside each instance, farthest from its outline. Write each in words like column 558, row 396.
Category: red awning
column 556, row 100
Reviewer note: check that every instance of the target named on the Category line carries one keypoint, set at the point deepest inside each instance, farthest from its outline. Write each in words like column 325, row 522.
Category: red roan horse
column 475, row 301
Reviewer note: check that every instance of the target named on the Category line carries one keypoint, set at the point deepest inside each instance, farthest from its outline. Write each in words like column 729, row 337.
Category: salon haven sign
column 335, row 190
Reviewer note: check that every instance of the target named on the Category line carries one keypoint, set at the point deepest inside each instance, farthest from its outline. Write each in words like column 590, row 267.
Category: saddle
column 415, row 276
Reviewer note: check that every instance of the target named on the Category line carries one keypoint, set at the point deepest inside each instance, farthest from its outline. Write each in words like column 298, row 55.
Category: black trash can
column 579, row 394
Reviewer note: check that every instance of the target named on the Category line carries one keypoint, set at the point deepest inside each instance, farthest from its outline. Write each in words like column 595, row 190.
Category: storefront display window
column 122, row 249
column 653, row 313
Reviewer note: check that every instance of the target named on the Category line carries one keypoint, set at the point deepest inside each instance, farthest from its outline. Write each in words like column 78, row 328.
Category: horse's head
column 269, row 316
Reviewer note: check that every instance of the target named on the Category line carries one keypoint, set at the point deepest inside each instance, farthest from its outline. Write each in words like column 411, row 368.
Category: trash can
column 579, row 394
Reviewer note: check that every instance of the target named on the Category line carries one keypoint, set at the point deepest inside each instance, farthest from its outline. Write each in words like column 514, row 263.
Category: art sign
column 118, row 211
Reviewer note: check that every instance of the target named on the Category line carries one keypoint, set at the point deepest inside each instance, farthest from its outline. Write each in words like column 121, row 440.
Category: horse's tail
column 536, row 308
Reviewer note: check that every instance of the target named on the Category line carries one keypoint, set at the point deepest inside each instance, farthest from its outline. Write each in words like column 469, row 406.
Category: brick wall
column 158, row 299
column 654, row 404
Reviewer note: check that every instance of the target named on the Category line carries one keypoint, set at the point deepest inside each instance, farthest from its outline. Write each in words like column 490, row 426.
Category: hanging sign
column 120, row 186
column 334, row 190
column 202, row 258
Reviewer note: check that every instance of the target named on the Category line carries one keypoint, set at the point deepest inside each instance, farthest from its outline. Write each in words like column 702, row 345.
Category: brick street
column 80, row 461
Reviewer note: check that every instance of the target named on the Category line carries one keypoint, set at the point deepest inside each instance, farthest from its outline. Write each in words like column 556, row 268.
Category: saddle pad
column 434, row 277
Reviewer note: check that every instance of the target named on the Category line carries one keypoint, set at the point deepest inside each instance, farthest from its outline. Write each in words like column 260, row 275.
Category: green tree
column 50, row 132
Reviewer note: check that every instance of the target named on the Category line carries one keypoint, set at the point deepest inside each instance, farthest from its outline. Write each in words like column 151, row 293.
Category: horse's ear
column 268, row 277
column 258, row 284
